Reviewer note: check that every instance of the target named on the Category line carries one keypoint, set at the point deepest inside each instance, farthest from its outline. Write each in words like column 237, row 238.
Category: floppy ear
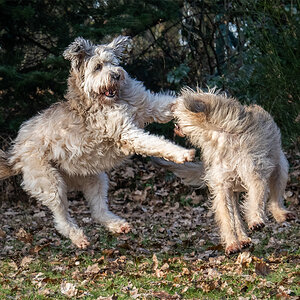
column 77, row 50
column 119, row 44
column 195, row 106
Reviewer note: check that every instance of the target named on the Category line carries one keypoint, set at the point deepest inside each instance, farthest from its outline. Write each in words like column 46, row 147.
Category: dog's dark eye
column 98, row 67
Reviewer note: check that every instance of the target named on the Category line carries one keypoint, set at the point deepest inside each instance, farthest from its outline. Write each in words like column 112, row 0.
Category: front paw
column 184, row 156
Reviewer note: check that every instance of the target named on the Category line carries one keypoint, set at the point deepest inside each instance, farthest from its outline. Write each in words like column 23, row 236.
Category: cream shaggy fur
column 241, row 151
column 72, row 144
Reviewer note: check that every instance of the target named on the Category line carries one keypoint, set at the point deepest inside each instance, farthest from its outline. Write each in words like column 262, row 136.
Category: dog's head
column 97, row 67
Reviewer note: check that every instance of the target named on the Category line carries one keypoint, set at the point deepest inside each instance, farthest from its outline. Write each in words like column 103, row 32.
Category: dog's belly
column 94, row 162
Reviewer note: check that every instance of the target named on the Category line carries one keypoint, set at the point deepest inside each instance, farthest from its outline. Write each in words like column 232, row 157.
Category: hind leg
column 277, row 185
column 95, row 190
column 243, row 239
column 44, row 182
column 254, row 205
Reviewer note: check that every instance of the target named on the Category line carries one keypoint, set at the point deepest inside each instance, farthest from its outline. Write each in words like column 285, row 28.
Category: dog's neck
column 77, row 98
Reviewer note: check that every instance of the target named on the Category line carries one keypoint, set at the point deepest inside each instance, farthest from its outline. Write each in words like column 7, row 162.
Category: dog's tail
column 5, row 169
column 190, row 173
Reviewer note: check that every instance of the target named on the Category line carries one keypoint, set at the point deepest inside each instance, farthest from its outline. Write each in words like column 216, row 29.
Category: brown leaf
column 244, row 259
column 26, row 261
column 164, row 267
column 107, row 298
column 93, row 269
column 261, row 268
column 185, row 271
column 44, row 292
column 24, row 236
column 155, row 262
column 108, row 252
column 2, row 234
column 38, row 248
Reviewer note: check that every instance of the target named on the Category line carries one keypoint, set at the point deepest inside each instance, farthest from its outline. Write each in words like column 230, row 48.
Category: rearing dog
column 241, row 151
column 70, row 145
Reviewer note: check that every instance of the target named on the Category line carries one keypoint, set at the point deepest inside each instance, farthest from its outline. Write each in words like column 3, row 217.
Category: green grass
column 126, row 276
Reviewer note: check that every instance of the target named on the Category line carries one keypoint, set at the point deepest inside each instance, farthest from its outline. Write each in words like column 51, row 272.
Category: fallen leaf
column 26, row 261
column 185, row 271
column 164, row 267
column 261, row 268
column 108, row 252
column 24, row 236
column 2, row 234
column 44, row 292
column 93, row 269
column 107, row 298
column 68, row 289
column 155, row 262
column 244, row 258
column 13, row 265
column 38, row 248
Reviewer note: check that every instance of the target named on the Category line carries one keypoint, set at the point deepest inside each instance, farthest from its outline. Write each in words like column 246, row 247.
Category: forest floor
column 172, row 252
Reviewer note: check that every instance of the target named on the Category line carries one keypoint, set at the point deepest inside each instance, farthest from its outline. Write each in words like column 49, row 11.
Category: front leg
column 152, row 107
column 159, row 107
column 135, row 140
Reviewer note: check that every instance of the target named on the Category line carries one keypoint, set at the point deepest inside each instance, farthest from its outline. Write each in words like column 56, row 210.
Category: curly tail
column 190, row 173
column 5, row 170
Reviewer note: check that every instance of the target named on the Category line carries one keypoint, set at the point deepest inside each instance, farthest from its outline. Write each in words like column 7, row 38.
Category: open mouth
column 110, row 93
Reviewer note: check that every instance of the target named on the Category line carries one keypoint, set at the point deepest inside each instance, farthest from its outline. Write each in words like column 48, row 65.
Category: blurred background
column 248, row 48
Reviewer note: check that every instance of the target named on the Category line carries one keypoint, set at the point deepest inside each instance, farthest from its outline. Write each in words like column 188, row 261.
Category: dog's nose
column 115, row 76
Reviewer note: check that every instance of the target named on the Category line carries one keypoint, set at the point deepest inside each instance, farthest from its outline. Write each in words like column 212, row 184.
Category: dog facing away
column 241, row 151
column 70, row 145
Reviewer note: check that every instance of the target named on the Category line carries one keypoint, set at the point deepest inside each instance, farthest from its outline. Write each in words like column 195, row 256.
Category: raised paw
column 232, row 248
column 256, row 226
column 184, row 156
column 190, row 155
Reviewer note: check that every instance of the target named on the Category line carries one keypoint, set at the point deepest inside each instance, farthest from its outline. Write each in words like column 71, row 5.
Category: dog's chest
column 98, row 147
column 93, row 159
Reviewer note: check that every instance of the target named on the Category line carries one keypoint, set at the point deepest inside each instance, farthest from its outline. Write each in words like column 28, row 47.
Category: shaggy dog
column 70, row 145
column 241, row 151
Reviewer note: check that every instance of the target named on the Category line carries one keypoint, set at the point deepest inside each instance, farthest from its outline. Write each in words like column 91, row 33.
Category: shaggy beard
column 107, row 95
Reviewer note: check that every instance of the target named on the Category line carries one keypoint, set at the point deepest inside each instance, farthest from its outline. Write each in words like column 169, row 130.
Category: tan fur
column 70, row 145
column 241, row 151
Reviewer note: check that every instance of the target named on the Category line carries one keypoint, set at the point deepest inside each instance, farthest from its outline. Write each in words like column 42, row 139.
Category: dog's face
column 97, row 67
